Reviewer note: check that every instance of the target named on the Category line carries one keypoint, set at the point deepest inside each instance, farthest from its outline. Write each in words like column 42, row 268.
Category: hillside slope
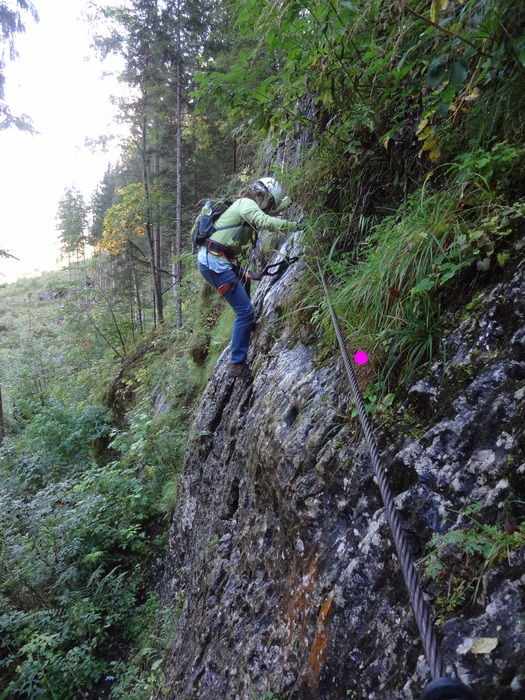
column 282, row 579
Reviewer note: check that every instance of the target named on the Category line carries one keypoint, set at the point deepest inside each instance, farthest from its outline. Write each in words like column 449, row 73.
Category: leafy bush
column 73, row 559
column 462, row 558
column 389, row 289
column 57, row 441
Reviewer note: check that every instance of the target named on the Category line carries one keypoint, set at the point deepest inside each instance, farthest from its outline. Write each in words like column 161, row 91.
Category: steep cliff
column 282, row 579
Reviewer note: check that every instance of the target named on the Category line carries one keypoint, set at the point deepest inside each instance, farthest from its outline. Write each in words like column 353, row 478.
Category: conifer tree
column 72, row 224
column 134, row 33
column 101, row 201
column 11, row 23
column 182, row 158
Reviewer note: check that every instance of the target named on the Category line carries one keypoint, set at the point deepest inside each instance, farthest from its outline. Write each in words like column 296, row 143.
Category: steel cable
column 421, row 611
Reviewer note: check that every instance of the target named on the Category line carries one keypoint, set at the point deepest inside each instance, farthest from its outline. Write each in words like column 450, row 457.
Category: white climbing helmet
column 270, row 186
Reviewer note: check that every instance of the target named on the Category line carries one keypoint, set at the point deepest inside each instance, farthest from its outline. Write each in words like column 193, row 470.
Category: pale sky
column 57, row 80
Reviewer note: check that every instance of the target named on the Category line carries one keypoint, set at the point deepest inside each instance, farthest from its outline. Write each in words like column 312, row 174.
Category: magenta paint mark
column 360, row 358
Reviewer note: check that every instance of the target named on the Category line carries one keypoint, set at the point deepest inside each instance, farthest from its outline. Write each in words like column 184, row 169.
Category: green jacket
column 243, row 218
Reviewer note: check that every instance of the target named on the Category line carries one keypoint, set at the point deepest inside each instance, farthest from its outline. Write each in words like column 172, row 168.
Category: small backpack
column 204, row 226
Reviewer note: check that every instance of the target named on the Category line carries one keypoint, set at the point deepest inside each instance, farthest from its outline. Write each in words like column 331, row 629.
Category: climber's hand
column 256, row 276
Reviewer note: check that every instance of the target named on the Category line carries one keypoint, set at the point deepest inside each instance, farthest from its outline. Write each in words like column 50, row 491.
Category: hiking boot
column 239, row 370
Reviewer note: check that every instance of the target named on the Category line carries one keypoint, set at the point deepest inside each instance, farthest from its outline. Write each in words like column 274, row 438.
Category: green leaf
column 403, row 70
column 388, row 400
column 93, row 557
column 424, row 286
column 404, row 57
column 436, row 72
column 448, row 94
column 385, row 138
column 458, row 73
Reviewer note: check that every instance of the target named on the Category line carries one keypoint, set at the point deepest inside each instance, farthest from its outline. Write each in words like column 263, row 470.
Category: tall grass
column 386, row 302
column 389, row 289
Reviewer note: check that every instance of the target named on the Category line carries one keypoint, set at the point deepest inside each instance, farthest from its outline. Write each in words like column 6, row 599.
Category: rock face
column 282, row 579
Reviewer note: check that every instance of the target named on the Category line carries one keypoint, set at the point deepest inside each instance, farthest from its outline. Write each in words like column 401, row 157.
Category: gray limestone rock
column 282, row 578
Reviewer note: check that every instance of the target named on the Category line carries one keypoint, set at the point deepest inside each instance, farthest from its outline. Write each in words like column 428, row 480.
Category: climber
column 254, row 208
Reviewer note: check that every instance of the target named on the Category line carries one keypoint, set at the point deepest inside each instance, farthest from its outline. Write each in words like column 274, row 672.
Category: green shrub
column 389, row 289
column 461, row 558
column 73, row 560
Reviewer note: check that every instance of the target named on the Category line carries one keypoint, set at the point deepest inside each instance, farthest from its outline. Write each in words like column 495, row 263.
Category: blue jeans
column 239, row 300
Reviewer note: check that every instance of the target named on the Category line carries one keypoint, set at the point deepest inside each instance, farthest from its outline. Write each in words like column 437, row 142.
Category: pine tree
column 11, row 23
column 72, row 225
column 182, row 158
column 102, row 199
column 134, row 35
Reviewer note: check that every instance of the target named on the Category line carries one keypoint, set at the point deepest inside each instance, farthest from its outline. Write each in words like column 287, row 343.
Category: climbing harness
column 443, row 688
column 280, row 267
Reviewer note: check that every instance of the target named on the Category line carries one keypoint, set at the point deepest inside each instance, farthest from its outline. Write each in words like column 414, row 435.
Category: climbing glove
column 254, row 275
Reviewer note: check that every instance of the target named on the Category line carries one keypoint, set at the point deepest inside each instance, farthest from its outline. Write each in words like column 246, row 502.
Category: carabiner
column 280, row 266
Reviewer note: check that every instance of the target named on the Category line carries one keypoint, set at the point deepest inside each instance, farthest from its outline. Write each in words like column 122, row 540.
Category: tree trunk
column 139, row 301
column 158, row 235
column 178, row 148
column 2, row 427
column 158, row 310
